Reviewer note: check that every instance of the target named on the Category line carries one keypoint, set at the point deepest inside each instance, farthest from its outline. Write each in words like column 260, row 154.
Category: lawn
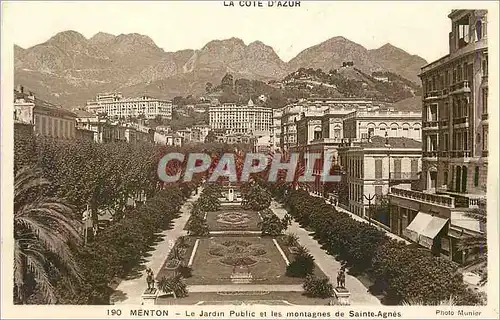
column 269, row 298
column 233, row 219
column 217, row 257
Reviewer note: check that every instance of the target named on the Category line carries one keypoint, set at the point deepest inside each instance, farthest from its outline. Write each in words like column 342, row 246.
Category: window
column 414, row 168
column 445, row 178
column 484, row 68
column 476, row 176
column 378, row 169
column 405, row 132
column 485, row 138
column 485, row 100
column 397, row 168
column 371, row 131
column 336, row 133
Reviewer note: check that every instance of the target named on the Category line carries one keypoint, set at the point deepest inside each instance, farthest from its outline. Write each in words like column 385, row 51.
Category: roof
column 29, row 97
column 394, row 142
column 409, row 104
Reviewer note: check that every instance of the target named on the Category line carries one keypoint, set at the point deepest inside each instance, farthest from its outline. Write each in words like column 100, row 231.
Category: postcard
column 249, row 160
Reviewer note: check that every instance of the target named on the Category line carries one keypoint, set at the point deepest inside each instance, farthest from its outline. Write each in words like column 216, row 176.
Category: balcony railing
column 404, row 176
column 424, row 197
column 461, row 86
column 444, row 123
column 485, row 153
column 430, row 154
column 430, row 124
column 433, row 94
column 460, row 154
column 443, row 154
column 462, row 120
column 484, row 116
column 445, row 92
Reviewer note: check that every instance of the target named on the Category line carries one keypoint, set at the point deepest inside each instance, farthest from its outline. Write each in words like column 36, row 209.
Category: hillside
column 70, row 69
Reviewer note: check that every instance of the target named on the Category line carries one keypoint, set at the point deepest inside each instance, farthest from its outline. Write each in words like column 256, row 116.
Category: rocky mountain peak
column 68, row 37
column 102, row 37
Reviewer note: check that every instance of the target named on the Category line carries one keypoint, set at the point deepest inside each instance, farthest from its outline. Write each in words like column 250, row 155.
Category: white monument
column 149, row 297
column 342, row 295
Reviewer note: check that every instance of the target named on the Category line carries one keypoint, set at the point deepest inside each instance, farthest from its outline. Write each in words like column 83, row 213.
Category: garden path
column 246, row 288
column 327, row 263
column 130, row 291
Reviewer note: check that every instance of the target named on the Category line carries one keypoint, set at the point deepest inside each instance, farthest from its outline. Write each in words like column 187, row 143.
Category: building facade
column 241, row 119
column 47, row 119
column 363, row 124
column 455, row 144
column 372, row 166
column 114, row 105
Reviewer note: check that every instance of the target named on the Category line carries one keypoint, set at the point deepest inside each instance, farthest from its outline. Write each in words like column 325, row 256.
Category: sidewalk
column 132, row 289
column 327, row 263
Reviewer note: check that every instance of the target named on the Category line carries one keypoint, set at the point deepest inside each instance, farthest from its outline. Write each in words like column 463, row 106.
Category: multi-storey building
column 317, row 107
column 241, row 119
column 114, row 105
column 455, row 143
column 105, row 130
column 373, row 165
column 47, row 119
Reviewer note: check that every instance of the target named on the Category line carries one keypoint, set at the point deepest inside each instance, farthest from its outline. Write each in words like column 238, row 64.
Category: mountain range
column 70, row 69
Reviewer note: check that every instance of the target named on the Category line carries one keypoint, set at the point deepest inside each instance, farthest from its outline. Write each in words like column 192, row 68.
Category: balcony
column 484, row 153
column 460, row 154
column 444, row 123
column 445, row 92
column 443, row 154
column 397, row 176
column 430, row 124
column 460, row 87
column 484, row 116
column 430, row 154
column 435, row 94
column 441, row 200
column 461, row 120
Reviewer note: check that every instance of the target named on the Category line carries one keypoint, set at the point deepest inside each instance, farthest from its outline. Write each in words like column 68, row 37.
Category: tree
column 255, row 198
column 317, row 287
column 44, row 230
column 302, row 265
column 208, row 87
column 227, row 83
column 211, row 137
column 271, row 225
column 174, row 285
column 478, row 243
column 197, row 226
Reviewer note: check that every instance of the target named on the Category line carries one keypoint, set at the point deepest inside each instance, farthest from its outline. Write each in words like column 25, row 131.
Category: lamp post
column 369, row 198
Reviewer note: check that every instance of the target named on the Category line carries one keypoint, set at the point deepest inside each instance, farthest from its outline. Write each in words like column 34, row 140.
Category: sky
column 419, row 28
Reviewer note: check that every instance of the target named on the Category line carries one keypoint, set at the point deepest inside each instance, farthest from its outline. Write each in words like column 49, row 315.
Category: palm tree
column 477, row 243
column 43, row 231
